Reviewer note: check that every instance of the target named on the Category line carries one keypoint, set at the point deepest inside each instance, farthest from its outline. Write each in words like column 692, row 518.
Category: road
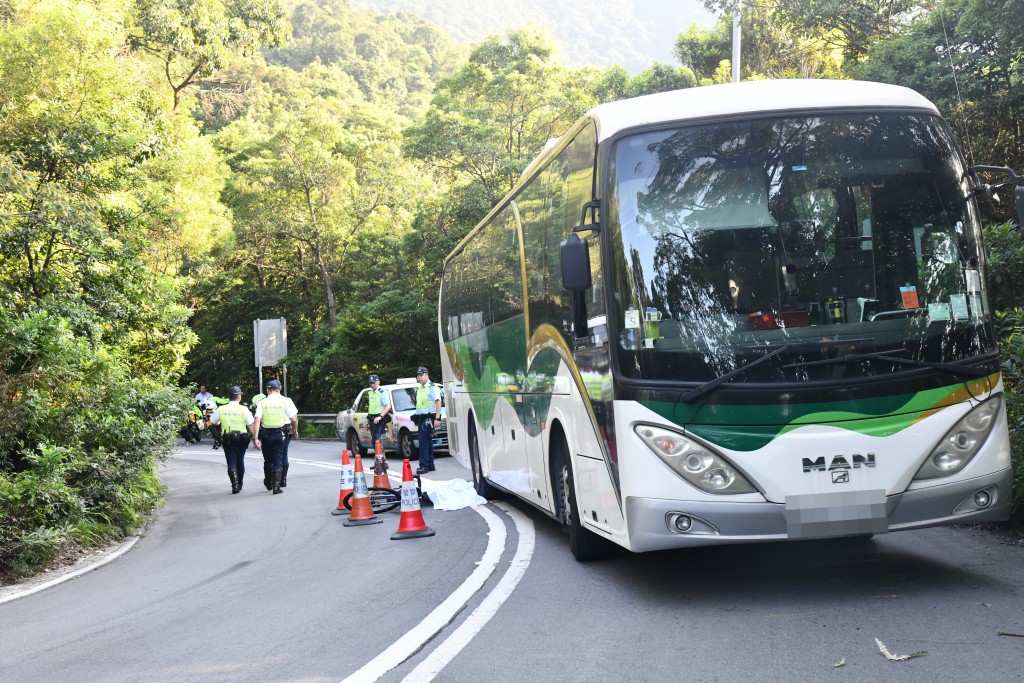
column 256, row 587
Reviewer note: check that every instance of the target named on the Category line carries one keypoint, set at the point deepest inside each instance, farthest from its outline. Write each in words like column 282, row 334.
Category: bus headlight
column 695, row 462
column 962, row 442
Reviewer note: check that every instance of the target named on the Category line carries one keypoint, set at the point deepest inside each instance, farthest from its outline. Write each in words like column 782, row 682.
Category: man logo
column 839, row 462
column 841, row 477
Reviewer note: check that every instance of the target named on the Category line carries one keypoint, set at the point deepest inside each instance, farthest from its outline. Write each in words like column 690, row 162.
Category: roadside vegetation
column 171, row 171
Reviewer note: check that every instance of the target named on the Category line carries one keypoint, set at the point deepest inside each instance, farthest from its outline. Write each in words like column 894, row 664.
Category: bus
column 736, row 313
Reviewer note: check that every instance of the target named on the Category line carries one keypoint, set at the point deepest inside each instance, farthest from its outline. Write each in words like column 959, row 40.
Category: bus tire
column 584, row 543
column 482, row 486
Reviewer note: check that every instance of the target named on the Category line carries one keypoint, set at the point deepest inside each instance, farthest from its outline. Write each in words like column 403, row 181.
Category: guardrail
column 318, row 418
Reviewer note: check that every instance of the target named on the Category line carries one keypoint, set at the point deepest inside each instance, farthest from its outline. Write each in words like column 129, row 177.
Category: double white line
column 417, row 637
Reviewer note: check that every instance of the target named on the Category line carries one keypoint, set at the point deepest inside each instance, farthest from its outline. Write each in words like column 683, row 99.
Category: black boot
column 277, row 481
column 241, row 475
column 266, row 477
column 233, row 476
column 284, row 476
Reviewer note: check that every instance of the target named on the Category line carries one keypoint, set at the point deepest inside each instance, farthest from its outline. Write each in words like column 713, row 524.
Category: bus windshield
column 831, row 235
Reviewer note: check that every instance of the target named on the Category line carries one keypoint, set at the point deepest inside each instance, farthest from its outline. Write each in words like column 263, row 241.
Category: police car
column 400, row 435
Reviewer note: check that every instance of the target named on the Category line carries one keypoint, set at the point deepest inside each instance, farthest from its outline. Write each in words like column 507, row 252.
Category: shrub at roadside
column 78, row 458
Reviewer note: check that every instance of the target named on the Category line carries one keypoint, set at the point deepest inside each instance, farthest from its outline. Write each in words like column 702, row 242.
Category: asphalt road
column 256, row 587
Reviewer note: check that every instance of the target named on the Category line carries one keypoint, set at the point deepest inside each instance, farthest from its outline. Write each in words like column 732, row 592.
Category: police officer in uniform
column 235, row 421
column 380, row 406
column 272, row 414
column 427, row 418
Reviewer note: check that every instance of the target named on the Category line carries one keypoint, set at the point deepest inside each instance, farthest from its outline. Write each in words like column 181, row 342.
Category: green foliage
column 194, row 39
column 1010, row 324
column 967, row 57
column 95, row 337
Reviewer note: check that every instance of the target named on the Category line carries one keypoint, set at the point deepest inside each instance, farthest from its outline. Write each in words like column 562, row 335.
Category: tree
column 193, row 39
column 489, row 119
column 95, row 340
column 851, row 26
column 967, row 57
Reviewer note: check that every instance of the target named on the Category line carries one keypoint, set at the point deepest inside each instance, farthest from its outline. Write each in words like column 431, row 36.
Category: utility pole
column 736, row 39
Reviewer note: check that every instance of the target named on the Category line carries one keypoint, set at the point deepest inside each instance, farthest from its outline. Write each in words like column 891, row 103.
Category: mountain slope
column 631, row 33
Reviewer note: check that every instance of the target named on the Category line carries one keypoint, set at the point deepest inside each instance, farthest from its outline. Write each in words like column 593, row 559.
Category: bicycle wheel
column 381, row 499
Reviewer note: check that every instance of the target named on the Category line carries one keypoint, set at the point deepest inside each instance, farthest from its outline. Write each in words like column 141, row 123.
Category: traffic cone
column 380, row 467
column 362, row 512
column 347, row 480
column 411, row 525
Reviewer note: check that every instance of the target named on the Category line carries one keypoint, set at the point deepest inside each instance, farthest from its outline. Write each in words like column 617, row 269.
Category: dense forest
column 171, row 171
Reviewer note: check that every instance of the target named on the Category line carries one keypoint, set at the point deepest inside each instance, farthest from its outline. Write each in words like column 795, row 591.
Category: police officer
column 236, row 422
column 380, row 406
column 427, row 418
column 272, row 414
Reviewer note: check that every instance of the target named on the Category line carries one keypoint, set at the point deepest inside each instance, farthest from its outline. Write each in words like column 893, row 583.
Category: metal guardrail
column 318, row 418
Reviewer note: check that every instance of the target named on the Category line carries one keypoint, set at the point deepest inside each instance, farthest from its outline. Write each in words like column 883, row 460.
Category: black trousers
column 272, row 443
column 234, row 453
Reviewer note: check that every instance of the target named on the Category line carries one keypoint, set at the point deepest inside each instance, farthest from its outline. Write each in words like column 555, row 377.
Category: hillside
column 632, row 33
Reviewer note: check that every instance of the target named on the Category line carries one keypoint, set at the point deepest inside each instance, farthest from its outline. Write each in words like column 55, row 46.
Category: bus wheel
column 483, row 488
column 584, row 543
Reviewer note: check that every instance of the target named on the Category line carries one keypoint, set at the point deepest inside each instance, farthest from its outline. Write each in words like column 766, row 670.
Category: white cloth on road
column 453, row 494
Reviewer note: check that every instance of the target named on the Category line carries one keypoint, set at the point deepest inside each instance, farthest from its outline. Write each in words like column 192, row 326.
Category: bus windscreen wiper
column 951, row 368
column 699, row 391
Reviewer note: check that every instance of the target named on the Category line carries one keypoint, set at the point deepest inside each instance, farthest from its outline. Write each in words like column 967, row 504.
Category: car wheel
column 405, row 447
column 352, row 442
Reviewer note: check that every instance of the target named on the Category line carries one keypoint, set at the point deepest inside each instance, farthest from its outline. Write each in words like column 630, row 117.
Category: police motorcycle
column 208, row 408
column 198, row 423
column 193, row 425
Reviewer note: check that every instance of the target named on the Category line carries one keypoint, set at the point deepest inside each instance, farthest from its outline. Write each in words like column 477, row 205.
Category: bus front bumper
column 655, row 524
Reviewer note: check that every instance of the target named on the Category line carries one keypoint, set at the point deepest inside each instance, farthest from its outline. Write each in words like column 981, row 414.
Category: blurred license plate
column 837, row 513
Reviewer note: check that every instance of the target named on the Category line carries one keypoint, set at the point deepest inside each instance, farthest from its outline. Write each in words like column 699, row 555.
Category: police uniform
column 234, row 420
column 428, row 410
column 274, row 412
column 379, row 401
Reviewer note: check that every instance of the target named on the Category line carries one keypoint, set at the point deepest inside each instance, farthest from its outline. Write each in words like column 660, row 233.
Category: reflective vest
column 375, row 406
column 423, row 399
column 273, row 408
column 232, row 418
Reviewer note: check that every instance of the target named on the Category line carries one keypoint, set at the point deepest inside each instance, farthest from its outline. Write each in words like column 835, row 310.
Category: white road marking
column 414, row 639
column 474, row 623
column 95, row 563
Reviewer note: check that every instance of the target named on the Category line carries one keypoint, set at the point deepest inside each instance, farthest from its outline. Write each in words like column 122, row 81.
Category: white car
column 400, row 435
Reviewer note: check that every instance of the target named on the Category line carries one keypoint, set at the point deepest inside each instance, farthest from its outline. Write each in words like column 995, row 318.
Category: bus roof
column 751, row 97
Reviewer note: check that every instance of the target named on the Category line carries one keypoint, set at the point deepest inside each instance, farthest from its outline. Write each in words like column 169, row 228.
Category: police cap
column 235, row 391
column 422, row 370
column 374, row 378
column 274, row 384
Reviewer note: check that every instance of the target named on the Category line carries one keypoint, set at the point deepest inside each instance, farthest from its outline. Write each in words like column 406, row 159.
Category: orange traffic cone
column 380, row 467
column 362, row 512
column 347, row 481
column 411, row 525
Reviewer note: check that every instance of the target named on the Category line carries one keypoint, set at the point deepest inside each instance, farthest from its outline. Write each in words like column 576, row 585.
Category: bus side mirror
column 1018, row 196
column 575, row 256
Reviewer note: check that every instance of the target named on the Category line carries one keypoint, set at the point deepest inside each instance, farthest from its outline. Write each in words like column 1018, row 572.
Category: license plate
column 837, row 513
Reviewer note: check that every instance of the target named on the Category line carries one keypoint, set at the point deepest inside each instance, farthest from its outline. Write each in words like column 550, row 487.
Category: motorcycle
column 198, row 423
column 193, row 425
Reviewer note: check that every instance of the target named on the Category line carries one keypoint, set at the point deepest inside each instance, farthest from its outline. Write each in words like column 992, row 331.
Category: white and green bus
column 737, row 313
